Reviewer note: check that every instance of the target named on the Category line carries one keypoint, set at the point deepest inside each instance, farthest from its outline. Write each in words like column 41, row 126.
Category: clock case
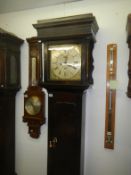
column 10, row 46
column 65, row 128
column 79, row 29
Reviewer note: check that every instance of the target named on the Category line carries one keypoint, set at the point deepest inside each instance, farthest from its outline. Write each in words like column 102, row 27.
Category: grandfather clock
column 9, row 85
column 68, row 64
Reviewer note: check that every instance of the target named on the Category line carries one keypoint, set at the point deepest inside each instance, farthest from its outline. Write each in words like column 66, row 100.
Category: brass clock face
column 65, row 62
column 33, row 105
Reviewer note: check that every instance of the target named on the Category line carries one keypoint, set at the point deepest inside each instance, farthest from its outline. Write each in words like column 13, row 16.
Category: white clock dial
column 65, row 62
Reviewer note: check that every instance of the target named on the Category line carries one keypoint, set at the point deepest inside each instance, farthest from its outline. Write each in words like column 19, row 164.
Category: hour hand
column 70, row 65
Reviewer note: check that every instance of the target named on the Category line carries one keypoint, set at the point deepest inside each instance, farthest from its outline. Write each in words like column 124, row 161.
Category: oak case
column 65, row 91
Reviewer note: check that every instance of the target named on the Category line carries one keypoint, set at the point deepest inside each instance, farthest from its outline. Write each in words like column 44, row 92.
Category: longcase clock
column 9, row 86
column 68, row 65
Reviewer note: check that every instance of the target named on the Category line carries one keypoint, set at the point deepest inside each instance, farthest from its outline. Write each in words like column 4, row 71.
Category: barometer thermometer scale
column 111, row 85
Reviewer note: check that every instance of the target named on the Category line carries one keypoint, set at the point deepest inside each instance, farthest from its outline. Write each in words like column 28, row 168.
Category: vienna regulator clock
column 68, row 64
column 34, row 96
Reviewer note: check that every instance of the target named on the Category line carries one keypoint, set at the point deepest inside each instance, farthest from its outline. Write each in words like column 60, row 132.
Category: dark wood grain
column 65, row 124
column 77, row 26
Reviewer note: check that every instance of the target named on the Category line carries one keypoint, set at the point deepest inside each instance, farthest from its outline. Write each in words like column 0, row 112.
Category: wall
column 111, row 16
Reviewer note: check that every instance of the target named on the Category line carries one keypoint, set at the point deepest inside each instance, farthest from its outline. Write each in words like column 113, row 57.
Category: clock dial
column 65, row 62
column 33, row 105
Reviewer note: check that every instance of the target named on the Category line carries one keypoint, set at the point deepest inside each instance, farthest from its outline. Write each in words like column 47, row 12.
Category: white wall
column 31, row 154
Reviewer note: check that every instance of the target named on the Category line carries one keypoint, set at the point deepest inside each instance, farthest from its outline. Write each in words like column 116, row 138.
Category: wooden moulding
column 67, row 27
column 128, row 28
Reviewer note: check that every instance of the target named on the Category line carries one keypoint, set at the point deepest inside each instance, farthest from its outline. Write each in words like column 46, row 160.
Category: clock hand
column 70, row 65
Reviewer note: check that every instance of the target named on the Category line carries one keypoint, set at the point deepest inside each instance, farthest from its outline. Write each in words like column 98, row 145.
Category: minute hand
column 70, row 65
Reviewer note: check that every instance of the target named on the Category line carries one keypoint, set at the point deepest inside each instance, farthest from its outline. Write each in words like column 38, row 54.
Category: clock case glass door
column 9, row 61
column 9, row 69
column 13, row 67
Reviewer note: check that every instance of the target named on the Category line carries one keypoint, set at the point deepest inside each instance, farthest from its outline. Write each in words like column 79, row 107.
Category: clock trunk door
column 64, row 133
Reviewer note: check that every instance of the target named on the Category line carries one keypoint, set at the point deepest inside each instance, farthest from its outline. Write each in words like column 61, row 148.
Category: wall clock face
column 65, row 62
column 33, row 105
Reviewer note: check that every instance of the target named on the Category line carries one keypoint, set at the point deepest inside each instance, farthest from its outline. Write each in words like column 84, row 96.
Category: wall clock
column 68, row 64
column 34, row 98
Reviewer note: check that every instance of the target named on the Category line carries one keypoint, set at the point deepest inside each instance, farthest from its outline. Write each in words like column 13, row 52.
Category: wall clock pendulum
column 68, row 65
column 9, row 86
column 111, row 85
column 34, row 97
